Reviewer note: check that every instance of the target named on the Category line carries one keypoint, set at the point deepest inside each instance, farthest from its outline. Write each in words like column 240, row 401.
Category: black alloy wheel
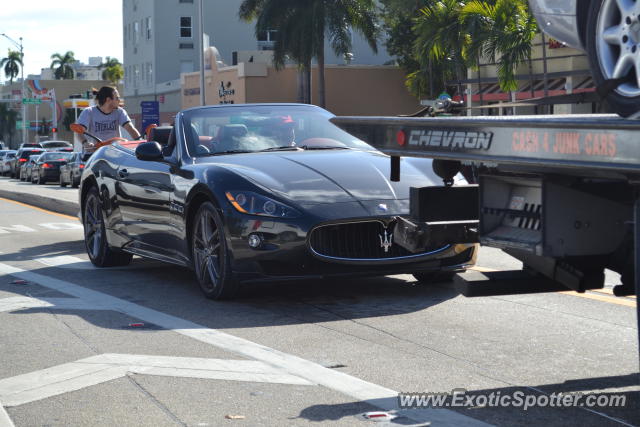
column 95, row 236
column 210, row 256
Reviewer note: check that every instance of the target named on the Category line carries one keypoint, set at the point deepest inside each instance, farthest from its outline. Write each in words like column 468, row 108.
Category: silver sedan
column 609, row 31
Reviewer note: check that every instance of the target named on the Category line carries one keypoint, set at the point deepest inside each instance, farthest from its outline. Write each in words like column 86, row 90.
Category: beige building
column 350, row 90
column 555, row 70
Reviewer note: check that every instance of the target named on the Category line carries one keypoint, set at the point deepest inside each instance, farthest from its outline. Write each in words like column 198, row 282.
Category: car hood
column 318, row 177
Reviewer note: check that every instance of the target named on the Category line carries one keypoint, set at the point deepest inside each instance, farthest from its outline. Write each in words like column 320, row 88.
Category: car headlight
column 254, row 204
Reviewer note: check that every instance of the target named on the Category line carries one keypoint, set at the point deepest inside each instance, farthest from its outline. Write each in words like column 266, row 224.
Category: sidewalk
column 51, row 196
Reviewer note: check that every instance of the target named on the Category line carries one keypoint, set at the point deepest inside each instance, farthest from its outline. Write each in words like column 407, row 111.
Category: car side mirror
column 149, row 151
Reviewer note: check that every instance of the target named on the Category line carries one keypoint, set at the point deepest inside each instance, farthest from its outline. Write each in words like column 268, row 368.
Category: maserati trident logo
column 386, row 240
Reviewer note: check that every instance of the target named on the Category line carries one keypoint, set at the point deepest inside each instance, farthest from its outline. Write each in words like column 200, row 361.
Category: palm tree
column 11, row 64
column 8, row 118
column 441, row 41
column 113, row 71
column 504, row 32
column 61, row 64
column 303, row 27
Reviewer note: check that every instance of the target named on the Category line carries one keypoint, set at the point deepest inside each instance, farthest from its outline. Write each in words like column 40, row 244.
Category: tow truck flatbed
column 560, row 193
column 578, row 144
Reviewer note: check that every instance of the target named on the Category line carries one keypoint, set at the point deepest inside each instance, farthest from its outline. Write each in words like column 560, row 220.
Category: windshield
column 51, row 157
column 52, row 144
column 251, row 128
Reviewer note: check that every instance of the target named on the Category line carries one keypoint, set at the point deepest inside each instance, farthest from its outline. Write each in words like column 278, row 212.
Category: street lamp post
column 24, row 108
column 201, row 58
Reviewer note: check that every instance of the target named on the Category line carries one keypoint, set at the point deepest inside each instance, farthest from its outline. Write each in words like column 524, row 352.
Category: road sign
column 19, row 124
column 150, row 113
column 31, row 101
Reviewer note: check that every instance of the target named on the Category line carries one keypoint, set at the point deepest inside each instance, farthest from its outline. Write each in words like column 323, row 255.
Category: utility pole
column 24, row 108
column 201, row 44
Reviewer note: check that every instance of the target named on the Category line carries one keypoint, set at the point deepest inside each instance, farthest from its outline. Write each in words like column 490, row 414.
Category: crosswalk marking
column 6, row 229
column 22, row 303
column 364, row 391
column 66, row 261
column 47, row 226
column 77, row 375
column 61, row 226
column 5, row 421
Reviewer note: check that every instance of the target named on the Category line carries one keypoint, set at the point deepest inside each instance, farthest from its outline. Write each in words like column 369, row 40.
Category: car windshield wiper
column 217, row 153
column 283, row 148
column 323, row 147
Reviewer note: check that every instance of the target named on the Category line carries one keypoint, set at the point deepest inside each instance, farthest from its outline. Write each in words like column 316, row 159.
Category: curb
column 49, row 203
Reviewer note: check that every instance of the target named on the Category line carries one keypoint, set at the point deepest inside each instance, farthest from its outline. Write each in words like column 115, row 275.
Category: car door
column 144, row 191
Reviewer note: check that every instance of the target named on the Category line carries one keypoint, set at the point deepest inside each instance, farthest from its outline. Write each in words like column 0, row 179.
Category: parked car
column 47, row 167
column 5, row 162
column 22, row 155
column 30, row 145
column 607, row 31
column 227, row 192
column 59, row 146
column 71, row 171
column 27, row 167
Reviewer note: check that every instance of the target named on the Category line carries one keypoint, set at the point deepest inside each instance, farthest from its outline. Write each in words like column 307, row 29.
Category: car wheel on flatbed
column 210, row 255
column 613, row 54
column 95, row 236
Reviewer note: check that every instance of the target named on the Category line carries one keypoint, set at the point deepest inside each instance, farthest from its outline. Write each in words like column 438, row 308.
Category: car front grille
column 363, row 240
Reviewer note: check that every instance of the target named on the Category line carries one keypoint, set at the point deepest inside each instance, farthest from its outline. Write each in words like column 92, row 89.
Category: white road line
column 77, row 375
column 6, row 229
column 356, row 388
column 66, row 261
column 22, row 303
column 5, row 421
column 62, row 226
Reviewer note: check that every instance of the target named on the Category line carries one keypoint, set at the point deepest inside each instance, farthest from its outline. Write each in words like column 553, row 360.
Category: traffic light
column 54, row 130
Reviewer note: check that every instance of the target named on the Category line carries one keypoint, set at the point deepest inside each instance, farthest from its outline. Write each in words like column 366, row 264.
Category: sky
column 86, row 27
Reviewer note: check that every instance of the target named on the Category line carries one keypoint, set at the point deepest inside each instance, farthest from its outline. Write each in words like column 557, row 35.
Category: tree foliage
column 436, row 41
column 11, row 64
column 112, row 71
column 303, row 26
column 8, row 120
column 61, row 65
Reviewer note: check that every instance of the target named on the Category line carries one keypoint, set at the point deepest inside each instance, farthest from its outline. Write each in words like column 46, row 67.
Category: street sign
column 150, row 113
column 19, row 124
column 31, row 101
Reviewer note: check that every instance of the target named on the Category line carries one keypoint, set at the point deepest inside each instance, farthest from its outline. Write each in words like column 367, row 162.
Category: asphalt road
column 139, row 345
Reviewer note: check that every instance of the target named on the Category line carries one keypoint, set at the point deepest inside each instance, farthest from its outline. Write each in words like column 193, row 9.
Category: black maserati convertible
column 246, row 193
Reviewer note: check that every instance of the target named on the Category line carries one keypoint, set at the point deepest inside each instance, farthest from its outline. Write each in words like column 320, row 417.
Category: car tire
column 95, row 236
column 41, row 181
column 62, row 183
column 625, row 99
column 429, row 277
column 210, row 256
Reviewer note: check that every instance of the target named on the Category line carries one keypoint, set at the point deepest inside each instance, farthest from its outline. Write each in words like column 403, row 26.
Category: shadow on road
column 620, row 407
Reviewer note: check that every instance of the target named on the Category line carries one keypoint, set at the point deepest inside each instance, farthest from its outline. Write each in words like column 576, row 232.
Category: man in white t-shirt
column 104, row 120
